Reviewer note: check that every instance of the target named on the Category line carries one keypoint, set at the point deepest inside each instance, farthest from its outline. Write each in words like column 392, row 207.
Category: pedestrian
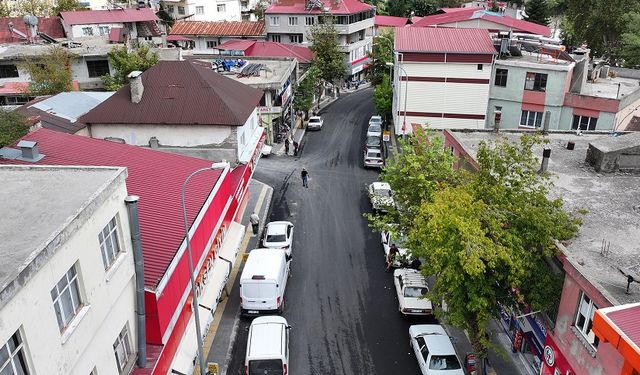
column 295, row 148
column 305, row 177
column 255, row 223
column 286, row 146
column 391, row 257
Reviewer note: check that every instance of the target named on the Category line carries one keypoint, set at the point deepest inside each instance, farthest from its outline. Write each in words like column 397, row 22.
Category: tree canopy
column 420, row 8
column 305, row 89
column 125, row 62
column 537, row 12
column 50, row 73
column 631, row 41
column 13, row 125
column 381, row 54
column 328, row 58
column 383, row 96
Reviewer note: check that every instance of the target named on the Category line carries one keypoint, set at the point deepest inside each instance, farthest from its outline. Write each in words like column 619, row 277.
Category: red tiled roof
column 178, row 38
column 225, row 28
column 626, row 319
column 88, row 17
column 260, row 48
column 473, row 13
column 331, row 6
column 117, row 35
column 180, row 92
column 48, row 25
column 415, row 19
column 155, row 176
column 236, row 45
column 390, row 21
column 443, row 40
column 453, row 10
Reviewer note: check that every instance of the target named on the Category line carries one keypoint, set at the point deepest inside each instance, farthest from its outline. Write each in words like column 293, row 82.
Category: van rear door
column 266, row 367
column 259, row 295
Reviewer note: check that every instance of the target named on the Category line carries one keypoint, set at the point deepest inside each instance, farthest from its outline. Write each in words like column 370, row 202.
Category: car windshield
column 414, row 292
column 373, row 141
column 266, row 367
column 375, row 120
column 383, row 192
column 444, row 362
column 276, row 237
column 374, row 128
column 314, row 120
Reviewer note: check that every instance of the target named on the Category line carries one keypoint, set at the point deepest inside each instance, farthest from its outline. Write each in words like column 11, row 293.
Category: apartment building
column 201, row 10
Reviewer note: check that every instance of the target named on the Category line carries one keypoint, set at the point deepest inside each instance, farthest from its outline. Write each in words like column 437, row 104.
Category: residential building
column 199, row 10
column 289, row 21
column 388, row 23
column 265, row 49
column 505, row 7
column 214, row 200
column 68, row 282
column 619, row 326
column 596, row 175
column 183, row 107
column 205, row 37
column 436, row 69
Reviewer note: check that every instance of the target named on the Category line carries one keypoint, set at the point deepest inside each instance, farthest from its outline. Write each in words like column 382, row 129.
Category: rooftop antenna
column 630, row 275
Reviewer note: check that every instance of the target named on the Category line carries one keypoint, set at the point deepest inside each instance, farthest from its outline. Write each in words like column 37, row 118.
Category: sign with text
column 386, row 136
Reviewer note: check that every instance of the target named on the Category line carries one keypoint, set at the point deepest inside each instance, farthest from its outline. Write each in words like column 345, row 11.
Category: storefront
column 527, row 335
column 554, row 362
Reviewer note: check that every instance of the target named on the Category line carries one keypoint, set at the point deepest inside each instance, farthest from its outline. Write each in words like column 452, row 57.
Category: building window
column 531, row 119
column 180, row 10
column 295, row 38
column 293, row 21
column 501, row 77
column 535, row 81
column 200, row 10
column 584, row 123
column 98, row 68
column 584, row 319
column 87, row 31
column 275, row 38
column 222, row 8
column 480, row 66
column 66, row 297
column 122, row 349
column 171, row 8
column 109, row 242
column 310, row 21
column 274, row 21
column 103, row 30
column 8, row 71
column 211, row 44
column 12, row 358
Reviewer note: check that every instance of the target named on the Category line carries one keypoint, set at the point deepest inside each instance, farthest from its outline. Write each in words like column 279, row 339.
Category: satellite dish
column 30, row 20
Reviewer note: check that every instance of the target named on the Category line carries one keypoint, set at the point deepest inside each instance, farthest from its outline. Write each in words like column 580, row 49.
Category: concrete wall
column 108, row 296
column 75, row 31
column 80, row 72
column 626, row 73
column 167, row 135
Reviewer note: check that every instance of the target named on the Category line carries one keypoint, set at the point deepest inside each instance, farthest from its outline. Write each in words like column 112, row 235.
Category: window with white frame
column 12, row 356
column 275, row 38
column 211, row 44
column 274, row 21
column 584, row 319
column 122, row 349
column 295, row 38
column 66, row 298
column 103, row 30
column 87, row 31
column 584, row 123
column 293, row 21
column 535, row 81
column 531, row 119
column 200, row 9
column 109, row 242
column 310, row 21
column 222, row 8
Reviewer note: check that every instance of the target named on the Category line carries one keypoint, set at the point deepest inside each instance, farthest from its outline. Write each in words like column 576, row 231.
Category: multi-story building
column 68, row 287
column 204, row 37
column 200, row 10
column 290, row 21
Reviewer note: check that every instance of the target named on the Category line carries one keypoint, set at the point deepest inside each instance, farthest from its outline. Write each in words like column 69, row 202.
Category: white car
column 373, row 157
column 374, row 130
column 434, row 350
column 411, row 287
column 375, row 120
column 279, row 235
column 404, row 257
column 267, row 346
column 381, row 196
column 315, row 123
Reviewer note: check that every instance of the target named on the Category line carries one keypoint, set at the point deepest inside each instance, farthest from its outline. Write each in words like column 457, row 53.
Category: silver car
column 373, row 157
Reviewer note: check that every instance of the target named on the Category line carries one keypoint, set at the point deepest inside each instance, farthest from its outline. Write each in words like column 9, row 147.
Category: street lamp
column 195, row 305
column 406, row 91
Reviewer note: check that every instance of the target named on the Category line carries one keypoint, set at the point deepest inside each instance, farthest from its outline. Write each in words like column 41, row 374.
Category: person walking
column 295, row 148
column 305, row 178
column 255, row 223
column 286, row 146
column 391, row 257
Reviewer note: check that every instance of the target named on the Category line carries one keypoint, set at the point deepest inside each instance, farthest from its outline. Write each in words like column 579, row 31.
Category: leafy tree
column 381, row 54
column 260, row 8
column 165, row 17
column 125, row 62
column 66, row 5
column 13, row 125
column 420, row 8
column 494, row 7
column 631, row 40
column 50, row 73
column 305, row 89
column 38, row 8
column 328, row 58
column 383, row 95
column 5, row 10
column 537, row 12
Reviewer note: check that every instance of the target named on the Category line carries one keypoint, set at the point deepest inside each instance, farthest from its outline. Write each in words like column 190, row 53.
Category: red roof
column 390, row 21
column 14, row 87
column 479, row 14
column 256, row 48
column 155, row 176
column 443, row 40
column 331, row 6
column 48, row 25
column 626, row 319
column 183, row 93
column 88, row 17
column 415, row 19
column 178, row 38
column 225, row 28
column 452, row 10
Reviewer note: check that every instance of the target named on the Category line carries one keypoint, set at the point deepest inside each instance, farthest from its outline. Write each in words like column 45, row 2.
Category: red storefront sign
column 554, row 362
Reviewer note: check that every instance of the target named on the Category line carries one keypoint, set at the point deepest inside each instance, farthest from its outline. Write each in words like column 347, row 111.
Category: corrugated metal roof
column 51, row 26
column 155, row 176
column 88, row 17
column 390, row 21
column 628, row 321
column 225, row 28
column 331, row 6
column 260, row 48
column 180, row 92
column 443, row 40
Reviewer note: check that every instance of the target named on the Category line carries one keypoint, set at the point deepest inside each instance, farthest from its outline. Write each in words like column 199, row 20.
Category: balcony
column 355, row 27
column 355, row 45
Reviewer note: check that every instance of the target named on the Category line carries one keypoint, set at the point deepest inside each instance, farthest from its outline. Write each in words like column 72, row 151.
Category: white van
column 267, row 346
column 263, row 282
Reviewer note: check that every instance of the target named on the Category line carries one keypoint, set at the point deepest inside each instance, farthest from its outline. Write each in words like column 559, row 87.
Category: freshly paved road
column 339, row 300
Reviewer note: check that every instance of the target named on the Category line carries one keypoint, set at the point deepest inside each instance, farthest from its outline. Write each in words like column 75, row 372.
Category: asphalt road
column 339, row 300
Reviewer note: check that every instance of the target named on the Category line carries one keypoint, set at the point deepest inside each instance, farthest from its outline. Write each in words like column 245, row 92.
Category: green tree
column 383, row 95
column 66, row 5
column 50, row 73
column 494, row 7
column 630, row 51
column 381, row 54
column 13, row 125
column 328, row 58
column 5, row 10
column 165, row 17
column 305, row 89
column 537, row 12
column 38, row 8
column 125, row 62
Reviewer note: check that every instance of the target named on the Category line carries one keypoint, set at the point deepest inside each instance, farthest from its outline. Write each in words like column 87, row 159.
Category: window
column 8, row 71
column 87, row 31
column 12, row 357
column 274, row 21
column 171, row 9
column 109, row 243
column 480, row 66
column 275, row 38
column 422, row 345
column 222, row 8
column 501, row 77
column 535, row 81
column 211, row 44
column 584, row 319
column 180, row 10
column 98, row 68
column 295, row 38
column 122, row 349
column 310, row 21
column 66, row 297
column 531, row 119
column 103, row 30
column 584, row 123
column 200, row 10
column 293, row 21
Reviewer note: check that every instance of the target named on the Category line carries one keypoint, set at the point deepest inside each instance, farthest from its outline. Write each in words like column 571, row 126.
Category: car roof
column 369, row 148
column 266, row 336
column 278, row 227
column 315, row 118
column 263, row 262
column 375, row 124
column 435, row 337
column 381, row 185
column 376, row 117
column 411, row 277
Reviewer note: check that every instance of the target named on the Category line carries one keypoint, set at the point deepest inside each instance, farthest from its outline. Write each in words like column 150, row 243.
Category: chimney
column 545, row 160
column 135, row 81
column 29, row 151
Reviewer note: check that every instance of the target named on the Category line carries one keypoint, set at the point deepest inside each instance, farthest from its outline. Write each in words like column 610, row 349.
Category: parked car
column 434, row 350
column 373, row 142
column 263, row 282
column 373, row 157
column 375, row 120
column 279, row 235
column 381, row 196
column 403, row 258
column 411, row 287
column 267, row 346
column 374, row 130
column 315, row 123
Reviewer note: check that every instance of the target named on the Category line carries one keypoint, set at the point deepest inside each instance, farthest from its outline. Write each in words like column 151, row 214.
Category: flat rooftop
column 40, row 204
column 608, row 87
column 612, row 202
column 273, row 77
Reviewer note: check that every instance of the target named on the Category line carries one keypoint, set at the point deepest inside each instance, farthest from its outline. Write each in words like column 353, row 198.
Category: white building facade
column 201, row 10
